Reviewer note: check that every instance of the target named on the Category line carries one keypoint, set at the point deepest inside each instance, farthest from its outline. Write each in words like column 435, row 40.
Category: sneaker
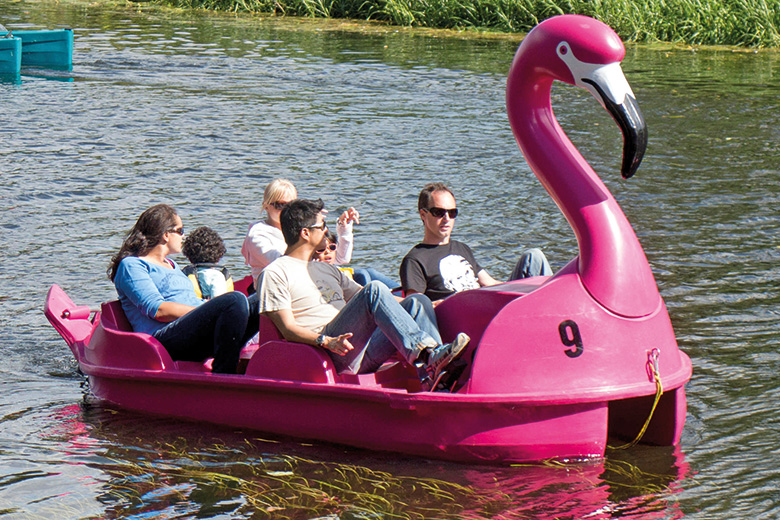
column 443, row 355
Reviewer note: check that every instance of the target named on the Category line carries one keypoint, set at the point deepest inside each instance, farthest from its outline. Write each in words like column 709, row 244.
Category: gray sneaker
column 443, row 355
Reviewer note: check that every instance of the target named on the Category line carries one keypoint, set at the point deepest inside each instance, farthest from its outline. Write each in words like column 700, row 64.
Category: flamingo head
column 585, row 52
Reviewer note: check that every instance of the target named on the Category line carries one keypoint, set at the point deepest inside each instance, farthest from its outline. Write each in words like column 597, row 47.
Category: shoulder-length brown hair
column 147, row 232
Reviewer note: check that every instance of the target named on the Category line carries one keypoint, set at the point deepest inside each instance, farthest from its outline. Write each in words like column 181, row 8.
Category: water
column 201, row 111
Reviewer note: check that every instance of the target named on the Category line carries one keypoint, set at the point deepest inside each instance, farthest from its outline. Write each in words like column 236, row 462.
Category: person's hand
column 339, row 345
column 349, row 216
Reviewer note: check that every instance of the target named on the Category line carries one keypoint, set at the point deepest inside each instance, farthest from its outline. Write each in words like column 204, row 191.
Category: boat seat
column 290, row 361
column 114, row 344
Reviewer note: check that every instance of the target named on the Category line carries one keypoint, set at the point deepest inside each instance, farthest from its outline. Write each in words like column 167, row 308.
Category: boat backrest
column 267, row 330
column 290, row 361
column 115, row 316
column 245, row 285
column 472, row 311
column 70, row 320
column 115, row 345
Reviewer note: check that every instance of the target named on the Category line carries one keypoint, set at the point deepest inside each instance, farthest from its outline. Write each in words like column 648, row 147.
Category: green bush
column 750, row 23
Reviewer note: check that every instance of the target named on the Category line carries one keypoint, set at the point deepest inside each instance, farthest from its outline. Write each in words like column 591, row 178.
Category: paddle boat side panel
column 47, row 48
column 10, row 55
column 373, row 418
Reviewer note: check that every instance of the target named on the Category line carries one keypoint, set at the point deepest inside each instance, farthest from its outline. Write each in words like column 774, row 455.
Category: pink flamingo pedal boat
column 556, row 364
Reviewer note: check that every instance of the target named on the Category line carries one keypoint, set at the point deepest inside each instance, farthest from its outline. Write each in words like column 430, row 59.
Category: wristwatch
column 321, row 340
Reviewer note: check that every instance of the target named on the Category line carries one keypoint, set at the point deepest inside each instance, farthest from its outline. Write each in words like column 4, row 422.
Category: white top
column 264, row 243
column 314, row 291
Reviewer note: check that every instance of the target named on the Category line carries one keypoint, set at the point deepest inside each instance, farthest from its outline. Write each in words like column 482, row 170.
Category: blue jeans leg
column 374, row 308
column 363, row 275
column 215, row 329
column 380, row 348
column 531, row 263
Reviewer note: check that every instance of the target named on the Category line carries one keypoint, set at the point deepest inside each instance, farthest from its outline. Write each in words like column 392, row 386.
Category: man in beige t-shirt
column 360, row 327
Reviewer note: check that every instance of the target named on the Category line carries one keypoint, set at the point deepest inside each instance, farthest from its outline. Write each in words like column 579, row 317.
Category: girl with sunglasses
column 160, row 300
column 335, row 252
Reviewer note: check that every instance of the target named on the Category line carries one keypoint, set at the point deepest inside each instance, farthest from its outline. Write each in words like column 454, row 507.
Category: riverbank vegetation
column 747, row 23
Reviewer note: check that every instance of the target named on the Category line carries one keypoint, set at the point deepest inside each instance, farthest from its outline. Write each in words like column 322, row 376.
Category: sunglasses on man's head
column 279, row 206
column 329, row 247
column 439, row 212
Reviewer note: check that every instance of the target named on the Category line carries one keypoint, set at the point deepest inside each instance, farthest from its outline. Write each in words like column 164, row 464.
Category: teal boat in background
column 47, row 48
column 10, row 55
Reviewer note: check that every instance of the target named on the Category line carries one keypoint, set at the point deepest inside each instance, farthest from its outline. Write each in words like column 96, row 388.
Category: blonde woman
column 264, row 241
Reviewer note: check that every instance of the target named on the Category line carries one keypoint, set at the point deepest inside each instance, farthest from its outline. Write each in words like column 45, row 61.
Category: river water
column 202, row 110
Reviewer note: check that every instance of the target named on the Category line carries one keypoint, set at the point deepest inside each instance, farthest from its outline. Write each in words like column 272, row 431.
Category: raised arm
column 346, row 238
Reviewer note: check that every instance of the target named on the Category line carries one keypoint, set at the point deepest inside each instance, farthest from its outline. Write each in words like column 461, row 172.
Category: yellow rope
column 659, row 390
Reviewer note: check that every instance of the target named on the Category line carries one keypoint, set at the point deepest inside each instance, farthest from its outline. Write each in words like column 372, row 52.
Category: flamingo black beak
column 608, row 85
column 631, row 122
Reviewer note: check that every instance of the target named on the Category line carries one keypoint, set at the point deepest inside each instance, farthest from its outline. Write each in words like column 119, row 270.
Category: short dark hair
column 424, row 201
column 297, row 215
column 203, row 246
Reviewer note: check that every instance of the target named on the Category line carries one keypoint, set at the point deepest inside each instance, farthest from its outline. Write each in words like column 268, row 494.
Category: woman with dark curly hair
column 159, row 299
column 204, row 248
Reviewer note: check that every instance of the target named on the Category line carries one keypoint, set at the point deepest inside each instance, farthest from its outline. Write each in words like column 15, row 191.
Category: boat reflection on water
column 140, row 465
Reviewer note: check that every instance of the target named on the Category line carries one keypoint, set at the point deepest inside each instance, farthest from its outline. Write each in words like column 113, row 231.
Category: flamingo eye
column 563, row 49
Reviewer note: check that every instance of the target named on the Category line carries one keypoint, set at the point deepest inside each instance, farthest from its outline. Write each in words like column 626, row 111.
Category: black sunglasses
column 322, row 226
column 278, row 205
column 439, row 212
column 329, row 247
column 180, row 231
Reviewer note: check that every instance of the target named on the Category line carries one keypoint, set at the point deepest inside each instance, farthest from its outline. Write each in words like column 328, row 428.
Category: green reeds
column 749, row 23
column 227, row 480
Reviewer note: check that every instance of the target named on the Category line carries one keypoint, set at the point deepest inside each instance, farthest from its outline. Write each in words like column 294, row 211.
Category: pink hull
column 474, row 429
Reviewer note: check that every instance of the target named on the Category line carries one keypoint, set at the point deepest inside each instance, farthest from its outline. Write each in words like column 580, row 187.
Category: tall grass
column 749, row 23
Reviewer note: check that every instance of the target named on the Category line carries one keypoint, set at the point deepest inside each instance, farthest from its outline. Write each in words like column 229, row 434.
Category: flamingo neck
column 612, row 263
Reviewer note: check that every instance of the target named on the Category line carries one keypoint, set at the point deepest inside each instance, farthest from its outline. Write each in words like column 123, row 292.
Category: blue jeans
column 531, row 263
column 380, row 327
column 218, row 328
column 363, row 275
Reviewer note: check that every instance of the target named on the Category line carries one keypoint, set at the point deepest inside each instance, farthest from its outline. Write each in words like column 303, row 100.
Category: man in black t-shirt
column 439, row 266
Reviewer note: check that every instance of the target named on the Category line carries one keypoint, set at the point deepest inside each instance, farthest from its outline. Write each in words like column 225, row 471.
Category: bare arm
column 285, row 322
column 170, row 311
column 485, row 280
